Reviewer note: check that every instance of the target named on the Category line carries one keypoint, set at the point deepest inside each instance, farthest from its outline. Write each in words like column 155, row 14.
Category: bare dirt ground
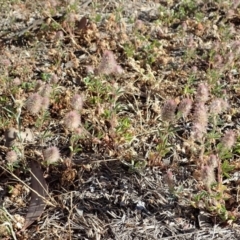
column 119, row 119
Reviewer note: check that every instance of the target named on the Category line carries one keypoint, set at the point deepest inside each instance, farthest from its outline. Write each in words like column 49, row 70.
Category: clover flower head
column 198, row 131
column 202, row 93
column 218, row 106
column 11, row 157
column 45, row 103
column 208, row 175
column 51, row 155
column 200, row 114
column 54, row 79
column 185, row 107
column 108, row 64
column 77, row 102
column 168, row 110
column 34, row 103
column 72, row 120
column 213, row 161
column 46, row 90
column 229, row 139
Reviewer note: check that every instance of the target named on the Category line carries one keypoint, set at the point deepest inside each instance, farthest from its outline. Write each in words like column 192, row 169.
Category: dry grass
column 130, row 109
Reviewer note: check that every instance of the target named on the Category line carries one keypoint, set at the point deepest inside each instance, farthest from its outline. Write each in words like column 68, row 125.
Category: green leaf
column 226, row 168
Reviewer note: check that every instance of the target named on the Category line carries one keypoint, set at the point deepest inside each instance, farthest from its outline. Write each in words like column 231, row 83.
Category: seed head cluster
column 202, row 93
column 77, row 102
column 72, row 120
column 51, row 155
column 34, row 103
column 108, row 64
column 229, row 139
column 208, row 175
column 11, row 157
column 168, row 110
column 184, row 107
column 218, row 106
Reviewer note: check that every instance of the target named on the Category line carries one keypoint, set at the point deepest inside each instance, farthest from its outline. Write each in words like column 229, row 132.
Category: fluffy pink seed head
column 213, row 161
column 235, row 46
column 194, row 69
column 72, row 120
column 77, row 102
column 79, row 131
column 198, row 131
column 46, row 90
column 236, row 3
column 34, row 103
column 45, row 103
column 168, row 110
column 51, row 155
column 218, row 106
column 118, row 70
column 11, row 157
column 54, row 79
column 16, row 81
column 229, row 139
column 217, row 60
column 139, row 25
column 185, row 106
column 5, row 62
column 200, row 121
column 59, row 36
column 208, row 175
column 108, row 63
column 170, row 179
column 90, row 69
column 230, row 57
column 200, row 114
column 39, row 84
column 202, row 93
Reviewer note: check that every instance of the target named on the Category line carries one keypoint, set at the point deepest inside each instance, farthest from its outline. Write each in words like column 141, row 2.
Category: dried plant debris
column 128, row 111
column 38, row 194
